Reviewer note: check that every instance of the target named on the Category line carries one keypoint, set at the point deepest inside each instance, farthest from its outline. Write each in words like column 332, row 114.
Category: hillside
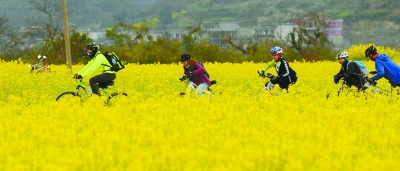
column 362, row 18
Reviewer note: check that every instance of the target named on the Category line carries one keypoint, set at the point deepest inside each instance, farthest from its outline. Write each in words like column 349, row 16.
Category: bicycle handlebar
column 269, row 75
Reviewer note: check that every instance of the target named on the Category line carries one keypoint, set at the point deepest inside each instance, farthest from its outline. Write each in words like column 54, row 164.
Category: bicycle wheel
column 68, row 96
column 117, row 97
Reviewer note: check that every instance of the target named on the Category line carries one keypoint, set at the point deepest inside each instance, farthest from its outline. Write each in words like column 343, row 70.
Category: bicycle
column 192, row 86
column 381, row 90
column 40, row 67
column 104, row 88
column 367, row 84
column 269, row 85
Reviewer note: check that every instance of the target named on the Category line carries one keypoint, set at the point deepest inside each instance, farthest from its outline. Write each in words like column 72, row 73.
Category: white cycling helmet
column 276, row 50
column 342, row 55
column 39, row 56
column 44, row 57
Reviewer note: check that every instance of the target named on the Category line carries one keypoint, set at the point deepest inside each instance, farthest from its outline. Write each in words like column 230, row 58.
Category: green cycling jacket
column 98, row 63
column 269, row 65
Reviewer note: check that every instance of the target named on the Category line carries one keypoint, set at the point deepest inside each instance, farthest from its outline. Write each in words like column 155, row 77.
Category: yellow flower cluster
column 358, row 52
column 154, row 128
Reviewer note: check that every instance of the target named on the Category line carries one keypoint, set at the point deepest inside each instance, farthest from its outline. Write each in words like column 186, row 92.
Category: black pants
column 355, row 81
column 284, row 82
column 99, row 79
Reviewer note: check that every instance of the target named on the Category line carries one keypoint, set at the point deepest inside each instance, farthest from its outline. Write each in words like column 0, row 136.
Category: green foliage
column 395, row 16
column 376, row 14
column 162, row 50
column 120, row 34
column 260, row 53
column 316, row 54
column 189, row 40
column 211, row 53
column 55, row 51
column 77, row 44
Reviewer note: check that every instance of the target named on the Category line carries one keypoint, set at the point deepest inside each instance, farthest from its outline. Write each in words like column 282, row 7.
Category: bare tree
column 311, row 33
column 50, row 20
column 10, row 47
column 46, row 25
column 4, row 27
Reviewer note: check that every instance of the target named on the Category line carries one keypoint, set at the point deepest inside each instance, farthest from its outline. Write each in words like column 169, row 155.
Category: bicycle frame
column 40, row 67
column 192, row 86
column 373, row 88
column 86, row 87
column 104, row 88
column 270, row 85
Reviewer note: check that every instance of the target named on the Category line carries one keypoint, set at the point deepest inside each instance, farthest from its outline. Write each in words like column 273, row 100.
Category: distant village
column 217, row 32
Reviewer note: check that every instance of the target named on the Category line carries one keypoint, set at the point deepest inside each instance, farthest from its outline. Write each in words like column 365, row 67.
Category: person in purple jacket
column 385, row 67
column 195, row 72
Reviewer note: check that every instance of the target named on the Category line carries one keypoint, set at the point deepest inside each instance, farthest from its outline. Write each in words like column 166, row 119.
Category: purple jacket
column 198, row 76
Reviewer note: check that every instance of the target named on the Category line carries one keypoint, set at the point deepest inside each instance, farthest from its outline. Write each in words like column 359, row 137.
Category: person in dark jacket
column 351, row 72
column 385, row 67
column 195, row 72
column 286, row 75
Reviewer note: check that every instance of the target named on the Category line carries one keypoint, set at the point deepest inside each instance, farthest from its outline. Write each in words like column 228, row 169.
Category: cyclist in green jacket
column 98, row 62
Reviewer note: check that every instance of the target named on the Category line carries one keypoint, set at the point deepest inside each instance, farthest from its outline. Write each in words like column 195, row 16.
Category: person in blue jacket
column 385, row 67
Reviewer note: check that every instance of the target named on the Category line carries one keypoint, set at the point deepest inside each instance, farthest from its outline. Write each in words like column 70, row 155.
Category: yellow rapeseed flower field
column 240, row 128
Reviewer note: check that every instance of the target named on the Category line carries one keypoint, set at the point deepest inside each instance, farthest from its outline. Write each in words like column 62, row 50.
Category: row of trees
column 134, row 43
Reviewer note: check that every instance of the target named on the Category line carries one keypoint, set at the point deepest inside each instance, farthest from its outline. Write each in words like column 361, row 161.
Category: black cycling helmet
column 93, row 46
column 370, row 50
column 185, row 57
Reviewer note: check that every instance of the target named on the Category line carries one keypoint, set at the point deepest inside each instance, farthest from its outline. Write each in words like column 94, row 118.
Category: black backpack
column 115, row 62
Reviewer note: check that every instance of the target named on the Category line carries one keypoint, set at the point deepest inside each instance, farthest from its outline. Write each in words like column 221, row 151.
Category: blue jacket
column 385, row 67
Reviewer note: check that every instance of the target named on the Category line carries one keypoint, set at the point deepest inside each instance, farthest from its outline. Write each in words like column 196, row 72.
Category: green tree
column 127, row 36
column 78, row 42
column 189, row 40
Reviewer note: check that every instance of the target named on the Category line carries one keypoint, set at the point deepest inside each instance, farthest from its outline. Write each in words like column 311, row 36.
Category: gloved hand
column 371, row 81
column 261, row 73
column 336, row 79
column 373, row 72
column 184, row 77
column 77, row 76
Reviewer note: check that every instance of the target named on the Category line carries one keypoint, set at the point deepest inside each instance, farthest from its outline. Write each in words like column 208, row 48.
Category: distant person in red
column 195, row 72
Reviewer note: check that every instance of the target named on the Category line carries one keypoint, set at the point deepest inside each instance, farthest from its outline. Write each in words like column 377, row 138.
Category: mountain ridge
column 101, row 14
